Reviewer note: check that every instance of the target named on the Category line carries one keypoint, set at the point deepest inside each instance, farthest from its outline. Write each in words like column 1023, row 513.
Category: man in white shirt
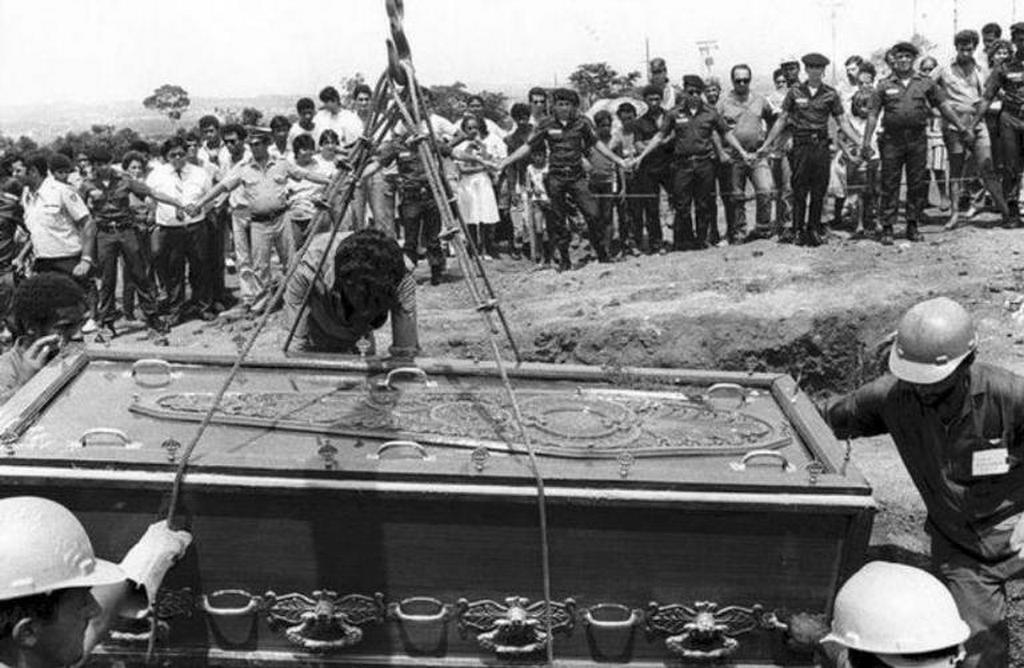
column 305, row 109
column 211, row 155
column 63, row 233
column 332, row 117
column 179, row 238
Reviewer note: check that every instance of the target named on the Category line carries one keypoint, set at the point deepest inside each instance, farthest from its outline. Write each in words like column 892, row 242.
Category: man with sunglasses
column 264, row 181
column 807, row 108
column 690, row 128
column 179, row 237
column 749, row 115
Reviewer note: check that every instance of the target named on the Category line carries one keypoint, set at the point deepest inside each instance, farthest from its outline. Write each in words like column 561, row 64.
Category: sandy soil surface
column 818, row 314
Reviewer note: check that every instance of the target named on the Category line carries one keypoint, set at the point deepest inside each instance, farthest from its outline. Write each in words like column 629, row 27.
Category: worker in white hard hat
column 958, row 425
column 57, row 599
column 891, row 615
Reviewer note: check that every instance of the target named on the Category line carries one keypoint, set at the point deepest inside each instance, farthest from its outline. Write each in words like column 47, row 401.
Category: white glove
column 149, row 559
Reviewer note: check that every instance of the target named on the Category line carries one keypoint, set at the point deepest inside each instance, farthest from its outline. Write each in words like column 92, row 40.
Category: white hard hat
column 891, row 609
column 43, row 548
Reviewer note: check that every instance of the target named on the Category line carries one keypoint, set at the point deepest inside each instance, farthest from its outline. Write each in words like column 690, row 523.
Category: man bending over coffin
column 364, row 280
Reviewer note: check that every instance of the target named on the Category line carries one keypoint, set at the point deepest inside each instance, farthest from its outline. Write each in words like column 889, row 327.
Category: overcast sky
column 106, row 50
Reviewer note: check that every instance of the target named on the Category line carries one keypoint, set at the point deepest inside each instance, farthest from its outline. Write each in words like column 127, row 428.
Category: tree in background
column 116, row 141
column 450, row 102
column 168, row 99
column 596, row 81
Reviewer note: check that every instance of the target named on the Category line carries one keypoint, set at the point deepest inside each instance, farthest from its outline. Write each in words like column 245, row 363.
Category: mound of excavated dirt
column 821, row 315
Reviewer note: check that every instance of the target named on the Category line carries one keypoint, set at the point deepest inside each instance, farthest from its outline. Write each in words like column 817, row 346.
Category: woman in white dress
column 475, row 158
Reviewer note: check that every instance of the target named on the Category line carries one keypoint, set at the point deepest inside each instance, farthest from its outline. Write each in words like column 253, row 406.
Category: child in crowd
column 863, row 181
column 604, row 181
column 514, row 182
column 303, row 194
column 938, row 160
column 540, row 213
column 475, row 158
column 624, row 144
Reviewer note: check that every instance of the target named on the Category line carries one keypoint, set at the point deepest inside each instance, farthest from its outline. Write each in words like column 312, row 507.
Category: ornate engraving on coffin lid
column 703, row 631
column 325, row 622
column 516, row 628
column 169, row 604
column 561, row 424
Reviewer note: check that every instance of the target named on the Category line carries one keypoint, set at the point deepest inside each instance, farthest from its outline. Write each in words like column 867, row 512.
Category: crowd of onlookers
column 167, row 222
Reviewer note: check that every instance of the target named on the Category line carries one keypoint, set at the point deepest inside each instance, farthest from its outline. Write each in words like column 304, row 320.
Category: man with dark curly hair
column 47, row 310
column 364, row 279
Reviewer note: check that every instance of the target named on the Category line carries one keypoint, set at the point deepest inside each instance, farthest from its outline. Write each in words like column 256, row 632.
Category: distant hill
column 45, row 122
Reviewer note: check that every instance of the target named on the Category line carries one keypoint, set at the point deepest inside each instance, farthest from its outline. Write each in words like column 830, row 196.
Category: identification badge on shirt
column 555, row 134
column 1015, row 76
column 802, row 101
column 991, row 461
column 683, row 119
column 892, row 91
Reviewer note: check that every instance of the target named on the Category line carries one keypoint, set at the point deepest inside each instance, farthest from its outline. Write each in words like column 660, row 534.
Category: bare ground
column 818, row 314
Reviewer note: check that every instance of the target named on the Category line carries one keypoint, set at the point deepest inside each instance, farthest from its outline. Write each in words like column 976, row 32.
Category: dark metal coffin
column 346, row 513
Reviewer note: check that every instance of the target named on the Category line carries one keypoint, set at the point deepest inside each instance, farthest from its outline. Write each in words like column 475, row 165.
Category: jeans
column 759, row 173
column 647, row 210
column 782, row 178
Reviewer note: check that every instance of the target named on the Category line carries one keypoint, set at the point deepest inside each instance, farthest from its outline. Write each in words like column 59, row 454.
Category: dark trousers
column 607, row 202
column 977, row 580
column 865, row 177
column 66, row 265
column 144, row 236
column 123, row 243
column 422, row 221
column 564, row 190
column 647, row 210
column 173, row 247
column 218, row 222
column 811, row 162
column 1011, row 139
column 903, row 150
column 693, row 183
column 723, row 179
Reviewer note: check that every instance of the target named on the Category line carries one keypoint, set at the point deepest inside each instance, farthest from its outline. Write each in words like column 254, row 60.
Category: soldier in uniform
column 907, row 97
column 1007, row 82
column 807, row 108
column 691, row 127
column 107, row 194
column 569, row 136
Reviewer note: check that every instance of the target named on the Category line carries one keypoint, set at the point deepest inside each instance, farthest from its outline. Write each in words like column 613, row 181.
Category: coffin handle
column 728, row 389
column 396, row 612
column 392, row 445
column 241, row 611
column 742, row 464
column 682, row 646
column 635, row 616
column 107, row 434
column 151, row 372
column 406, row 371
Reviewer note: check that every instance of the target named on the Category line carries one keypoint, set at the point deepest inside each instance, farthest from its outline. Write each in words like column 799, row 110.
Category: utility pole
column 913, row 21
column 647, row 51
column 706, row 47
column 833, row 7
column 956, row 16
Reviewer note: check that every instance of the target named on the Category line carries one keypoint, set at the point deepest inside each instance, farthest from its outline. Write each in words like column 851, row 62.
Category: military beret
column 1017, row 27
column 693, row 81
column 904, row 47
column 59, row 162
column 815, row 60
column 101, row 155
column 258, row 132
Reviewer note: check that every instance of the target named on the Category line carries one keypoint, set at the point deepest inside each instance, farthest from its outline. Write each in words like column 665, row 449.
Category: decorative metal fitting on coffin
column 325, row 622
column 397, row 610
column 590, row 616
column 171, row 447
column 479, row 457
column 328, row 452
column 726, row 389
column 705, row 632
column 170, row 603
column 515, row 629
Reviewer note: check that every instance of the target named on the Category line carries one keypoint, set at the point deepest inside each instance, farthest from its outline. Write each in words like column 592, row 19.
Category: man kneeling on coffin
column 57, row 600
column 364, row 279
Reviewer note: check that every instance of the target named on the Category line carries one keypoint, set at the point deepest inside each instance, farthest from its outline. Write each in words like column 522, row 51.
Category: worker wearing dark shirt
column 690, row 127
column 12, row 235
column 569, row 136
column 959, row 428
column 108, row 194
column 907, row 98
column 806, row 109
column 1007, row 81
column 654, row 174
